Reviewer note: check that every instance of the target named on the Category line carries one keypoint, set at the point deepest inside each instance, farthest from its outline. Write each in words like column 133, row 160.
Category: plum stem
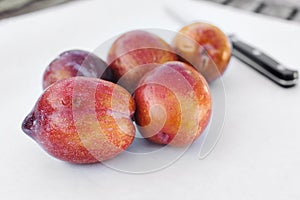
column 29, row 123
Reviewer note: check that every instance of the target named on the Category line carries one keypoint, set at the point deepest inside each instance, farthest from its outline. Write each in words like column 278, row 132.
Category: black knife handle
column 263, row 63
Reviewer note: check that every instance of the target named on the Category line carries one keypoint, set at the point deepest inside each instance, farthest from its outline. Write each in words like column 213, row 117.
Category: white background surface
column 256, row 158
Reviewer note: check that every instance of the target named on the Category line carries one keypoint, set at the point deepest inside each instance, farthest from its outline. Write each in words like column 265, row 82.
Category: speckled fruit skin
column 205, row 39
column 137, row 49
column 173, row 104
column 76, row 63
column 82, row 120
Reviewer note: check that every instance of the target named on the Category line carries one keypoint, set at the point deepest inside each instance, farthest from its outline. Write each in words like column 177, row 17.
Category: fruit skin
column 197, row 40
column 137, row 49
column 173, row 104
column 82, row 120
column 76, row 63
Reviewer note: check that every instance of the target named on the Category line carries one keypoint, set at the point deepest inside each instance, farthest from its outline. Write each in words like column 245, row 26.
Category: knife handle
column 263, row 63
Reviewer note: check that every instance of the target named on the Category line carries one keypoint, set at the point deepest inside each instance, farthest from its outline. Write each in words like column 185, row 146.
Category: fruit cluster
column 87, row 111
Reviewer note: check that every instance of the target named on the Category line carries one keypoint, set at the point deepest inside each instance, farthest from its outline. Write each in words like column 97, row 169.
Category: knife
column 263, row 63
column 255, row 58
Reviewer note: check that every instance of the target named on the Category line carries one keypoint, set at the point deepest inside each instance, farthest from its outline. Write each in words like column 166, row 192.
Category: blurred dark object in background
column 284, row 9
column 10, row 8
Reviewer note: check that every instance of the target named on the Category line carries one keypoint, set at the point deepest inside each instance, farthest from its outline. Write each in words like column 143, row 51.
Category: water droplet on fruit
column 163, row 137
